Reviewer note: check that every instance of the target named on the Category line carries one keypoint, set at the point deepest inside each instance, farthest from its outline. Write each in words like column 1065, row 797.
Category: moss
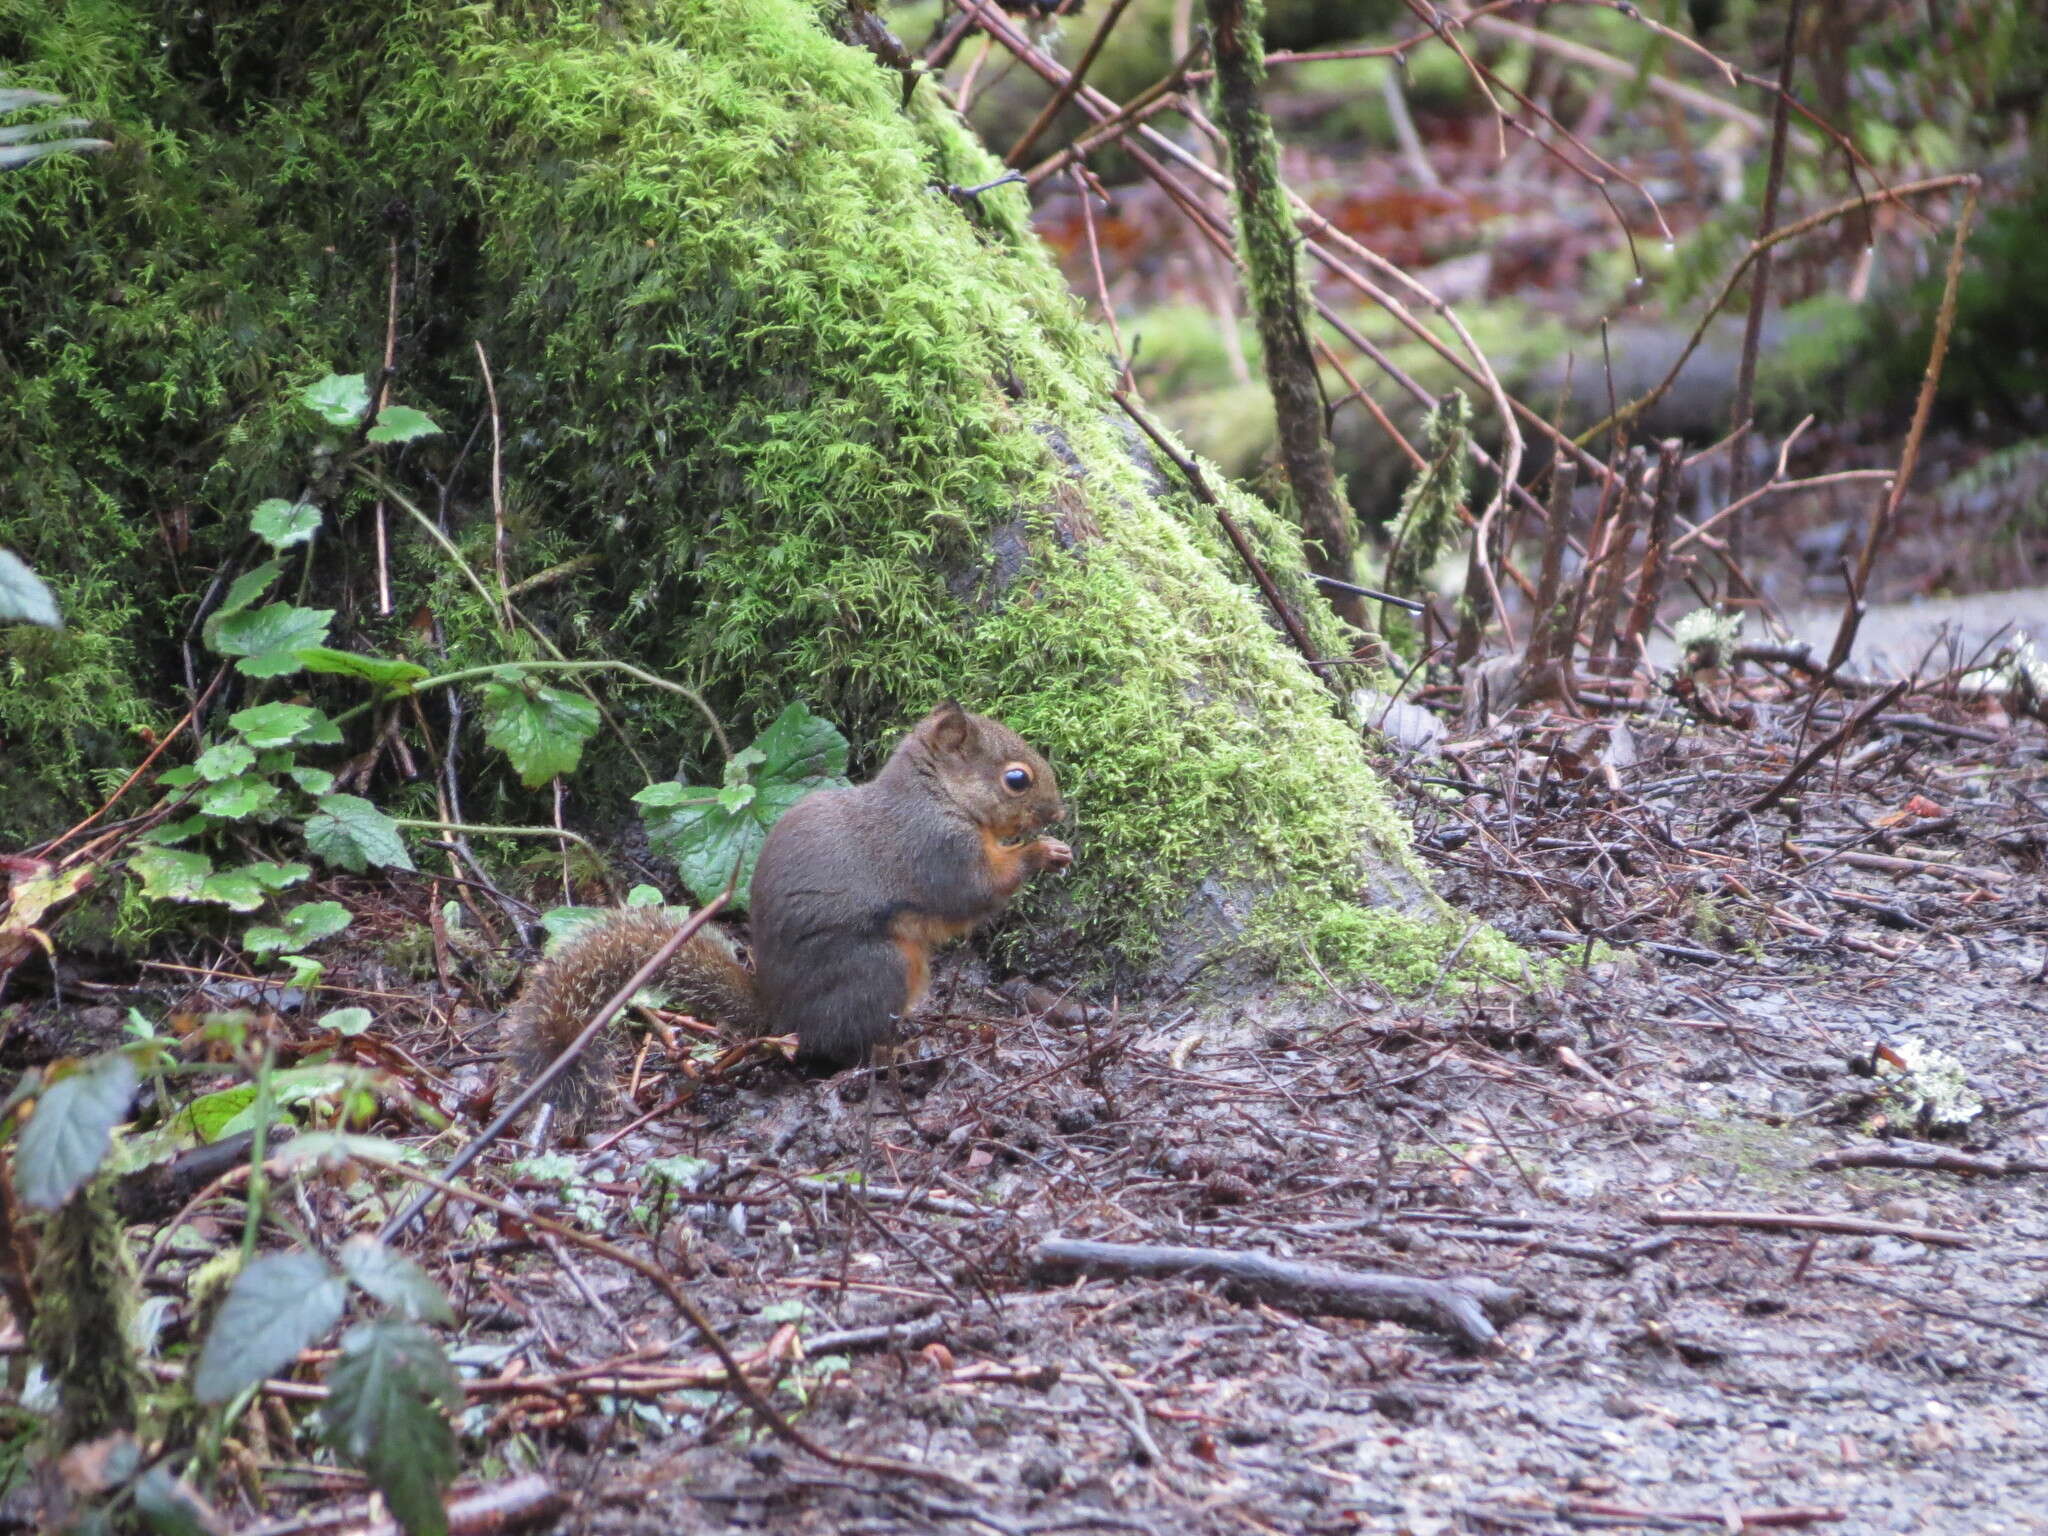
column 830, row 435
column 85, row 1286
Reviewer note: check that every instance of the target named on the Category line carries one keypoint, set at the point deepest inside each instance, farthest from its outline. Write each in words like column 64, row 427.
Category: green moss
column 85, row 1285
column 830, row 435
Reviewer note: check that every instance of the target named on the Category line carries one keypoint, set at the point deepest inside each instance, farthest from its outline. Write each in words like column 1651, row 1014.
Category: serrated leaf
column 223, row 761
column 23, row 597
column 314, row 781
column 305, row 925
column 183, row 777
column 278, row 1306
column 67, row 1137
column 388, row 1401
column 401, row 424
column 268, row 638
column 347, row 1021
column 281, row 524
column 237, row 798
column 169, row 874
column 173, row 832
column 248, row 586
column 391, row 675
column 348, row 831
column 708, row 832
column 645, row 896
column 801, row 747
column 340, row 399
column 273, row 725
column 395, row 1280
column 542, row 730
column 233, row 888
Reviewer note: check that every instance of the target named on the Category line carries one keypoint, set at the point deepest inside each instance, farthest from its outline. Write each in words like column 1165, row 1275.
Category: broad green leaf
column 67, row 1137
column 274, row 876
column 314, row 781
column 347, row 1021
column 223, row 761
column 349, row 831
column 267, row 639
column 210, row 1114
column 233, row 888
column 563, row 923
column 801, row 747
column 248, row 586
column 278, row 1306
column 173, row 832
column 645, row 896
column 388, row 1401
column 305, row 973
column 281, row 524
column 272, row 725
column 388, row 674
column 183, row 777
column 542, row 730
column 395, row 1280
column 23, row 597
column 237, row 798
column 340, row 399
column 401, row 424
column 170, row 874
column 710, row 832
column 306, row 924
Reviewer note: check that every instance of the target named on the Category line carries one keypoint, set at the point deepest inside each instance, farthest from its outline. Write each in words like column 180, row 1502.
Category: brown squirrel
column 853, row 890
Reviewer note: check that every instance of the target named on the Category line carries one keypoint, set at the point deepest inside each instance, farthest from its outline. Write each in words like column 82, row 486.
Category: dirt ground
column 1650, row 1376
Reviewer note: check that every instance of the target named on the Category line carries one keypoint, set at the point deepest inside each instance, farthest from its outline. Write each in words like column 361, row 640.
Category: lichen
column 749, row 352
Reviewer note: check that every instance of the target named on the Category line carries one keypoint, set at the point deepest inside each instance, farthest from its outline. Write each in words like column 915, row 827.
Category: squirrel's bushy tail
column 564, row 992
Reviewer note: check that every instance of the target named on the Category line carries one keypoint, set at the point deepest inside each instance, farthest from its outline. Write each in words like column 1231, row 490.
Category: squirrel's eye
column 1017, row 780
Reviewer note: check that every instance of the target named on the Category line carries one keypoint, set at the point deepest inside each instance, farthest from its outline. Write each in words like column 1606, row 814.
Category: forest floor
column 1707, row 1374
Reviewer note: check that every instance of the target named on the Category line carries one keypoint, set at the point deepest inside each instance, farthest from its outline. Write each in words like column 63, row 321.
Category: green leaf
column 223, row 761
column 347, row 1021
column 169, row 874
column 314, row 781
column 542, row 730
column 233, row 888
column 273, row 725
column 273, row 876
column 23, row 597
column 267, row 639
column 248, row 586
column 281, row 524
column 393, row 676
column 388, row 1401
column 277, row 1306
column 306, row 924
column 401, row 424
column 238, row 798
column 799, row 747
column 174, row 832
column 305, row 972
column 709, row 832
column 178, row 778
column 348, row 831
column 67, row 1137
column 562, row 923
column 395, row 1280
column 211, row 1113
column 340, row 399
column 645, row 896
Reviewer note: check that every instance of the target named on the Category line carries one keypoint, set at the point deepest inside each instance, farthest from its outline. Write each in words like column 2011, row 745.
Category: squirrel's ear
column 948, row 725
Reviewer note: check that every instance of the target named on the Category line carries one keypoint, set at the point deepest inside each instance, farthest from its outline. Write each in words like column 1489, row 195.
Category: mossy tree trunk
column 783, row 418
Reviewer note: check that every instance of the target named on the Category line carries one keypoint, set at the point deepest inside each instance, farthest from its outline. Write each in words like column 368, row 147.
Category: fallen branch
column 1780, row 1221
column 1846, row 732
column 1930, row 1159
column 515, row 1505
column 1458, row 1307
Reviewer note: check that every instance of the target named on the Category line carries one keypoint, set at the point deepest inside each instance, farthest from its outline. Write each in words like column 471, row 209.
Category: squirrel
column 852, row 892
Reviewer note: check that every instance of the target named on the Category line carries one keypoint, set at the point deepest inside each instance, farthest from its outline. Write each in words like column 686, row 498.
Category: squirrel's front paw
column 1054, row 854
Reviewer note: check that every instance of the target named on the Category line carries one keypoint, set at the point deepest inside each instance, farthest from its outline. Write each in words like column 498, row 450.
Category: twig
column 1776, row 1221
column 1650, row 585
column 1282, row 609
column 1133, row 1414
column 1457, row 1307
column 1930, row 1159
column 1065, row 93
column 1958, row 1313
column 1848, row 729
column 497, row 490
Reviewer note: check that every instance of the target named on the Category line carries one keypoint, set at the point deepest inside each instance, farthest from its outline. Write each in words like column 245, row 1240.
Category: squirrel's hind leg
column 842, row 1011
